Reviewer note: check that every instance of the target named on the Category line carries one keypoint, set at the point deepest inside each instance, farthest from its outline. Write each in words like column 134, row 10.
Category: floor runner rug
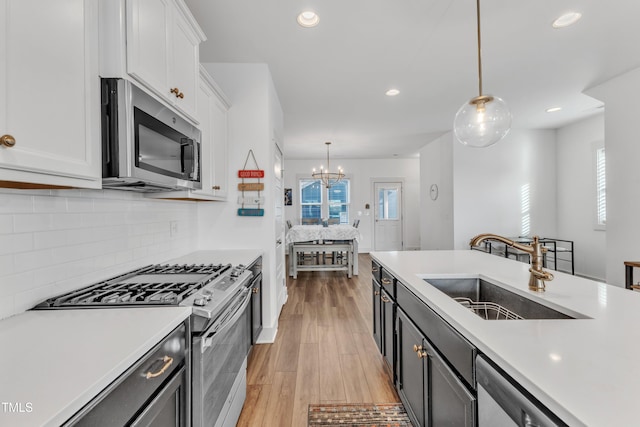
column 358, row 415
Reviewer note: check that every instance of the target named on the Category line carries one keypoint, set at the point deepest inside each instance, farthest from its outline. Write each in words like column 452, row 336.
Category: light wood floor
column 324, row 352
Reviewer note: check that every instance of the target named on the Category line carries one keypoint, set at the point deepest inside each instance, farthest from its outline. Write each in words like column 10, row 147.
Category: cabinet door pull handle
column 386, row 281
column 7, row 141
column 255, row 290
column 215, row 187
column 420, row 351
column 385, row 299
column 374, row 270
column 168, row 360
column 177, row 92
column 376, row 292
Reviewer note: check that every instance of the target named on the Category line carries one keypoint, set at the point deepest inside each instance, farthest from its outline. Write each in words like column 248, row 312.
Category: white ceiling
column 331, row 79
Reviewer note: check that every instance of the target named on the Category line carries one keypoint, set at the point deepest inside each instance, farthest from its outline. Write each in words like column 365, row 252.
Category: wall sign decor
column 250, row 199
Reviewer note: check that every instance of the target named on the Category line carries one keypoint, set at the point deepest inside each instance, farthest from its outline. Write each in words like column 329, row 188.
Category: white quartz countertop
column 53, row 362
column 230, row 256
column 587, row 371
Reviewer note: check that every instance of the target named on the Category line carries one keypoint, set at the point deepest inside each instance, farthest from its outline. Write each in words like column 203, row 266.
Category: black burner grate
column 151, row 285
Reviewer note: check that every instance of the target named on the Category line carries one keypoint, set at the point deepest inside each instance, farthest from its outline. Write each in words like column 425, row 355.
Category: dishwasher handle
column 517, row 403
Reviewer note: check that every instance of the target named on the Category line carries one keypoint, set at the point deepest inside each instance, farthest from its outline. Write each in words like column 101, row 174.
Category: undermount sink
column 493, row 302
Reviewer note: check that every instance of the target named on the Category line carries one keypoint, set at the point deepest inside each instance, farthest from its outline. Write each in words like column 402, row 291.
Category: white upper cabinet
column 162, row 42
column 212, row 112
column 49, row 94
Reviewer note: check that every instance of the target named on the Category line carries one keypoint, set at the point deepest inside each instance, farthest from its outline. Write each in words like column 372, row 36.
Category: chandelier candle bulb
column 328, row 178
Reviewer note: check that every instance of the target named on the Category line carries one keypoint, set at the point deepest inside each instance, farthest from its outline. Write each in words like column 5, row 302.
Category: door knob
column 7, row 141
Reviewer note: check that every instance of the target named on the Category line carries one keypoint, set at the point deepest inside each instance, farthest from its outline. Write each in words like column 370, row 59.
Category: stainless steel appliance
column 154, row 391
column 146, row 146
column 220, row 325
column 503, row 403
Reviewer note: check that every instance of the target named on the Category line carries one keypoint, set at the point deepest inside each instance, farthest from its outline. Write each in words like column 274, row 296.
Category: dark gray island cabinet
column 432, row 364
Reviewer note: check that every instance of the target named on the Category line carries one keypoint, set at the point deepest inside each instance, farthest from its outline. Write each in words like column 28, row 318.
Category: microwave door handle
column 207, row 341
column 196, row 157
column 186, row 156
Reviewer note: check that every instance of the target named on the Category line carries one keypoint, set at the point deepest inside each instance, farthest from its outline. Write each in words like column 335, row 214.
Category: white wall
column 577, row 195
column 436, row 218
column 254, row 116
column 488, row 186
column 362, row 172
column 482, row 189
column 53, row 241
column 623, row 180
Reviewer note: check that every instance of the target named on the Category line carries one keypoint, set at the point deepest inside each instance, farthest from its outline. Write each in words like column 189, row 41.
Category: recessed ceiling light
column 308, row 19
column 567, row 19
column 392, row 92
column 553, row 109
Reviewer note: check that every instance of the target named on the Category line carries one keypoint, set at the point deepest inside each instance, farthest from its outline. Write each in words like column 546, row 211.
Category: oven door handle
column 207, row 341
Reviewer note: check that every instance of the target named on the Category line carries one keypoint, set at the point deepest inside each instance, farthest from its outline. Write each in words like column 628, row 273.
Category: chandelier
column 485, row 119
column 327, row 177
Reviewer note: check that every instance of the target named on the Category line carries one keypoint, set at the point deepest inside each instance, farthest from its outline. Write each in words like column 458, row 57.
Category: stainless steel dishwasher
column 503, row 403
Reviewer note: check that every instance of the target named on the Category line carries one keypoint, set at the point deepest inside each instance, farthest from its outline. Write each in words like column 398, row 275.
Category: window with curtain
column 316, row 199
column 601, row 188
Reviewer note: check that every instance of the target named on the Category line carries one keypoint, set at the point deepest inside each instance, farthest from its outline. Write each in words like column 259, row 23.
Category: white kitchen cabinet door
column 163, row 51
column 212, row 114
column 50, row 93
column 220, row 173
column 148, row 42
column 185, row 64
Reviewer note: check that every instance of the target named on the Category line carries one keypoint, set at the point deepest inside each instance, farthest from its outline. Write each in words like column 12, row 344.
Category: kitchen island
column 585, row 370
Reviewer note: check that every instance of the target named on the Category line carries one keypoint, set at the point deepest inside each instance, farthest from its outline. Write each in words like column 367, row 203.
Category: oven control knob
column 200, row 302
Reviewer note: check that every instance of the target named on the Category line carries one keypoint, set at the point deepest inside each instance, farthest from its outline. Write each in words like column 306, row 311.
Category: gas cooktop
column 151, row 285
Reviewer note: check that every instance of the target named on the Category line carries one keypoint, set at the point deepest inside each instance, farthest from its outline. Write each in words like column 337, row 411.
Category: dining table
column 323, row 239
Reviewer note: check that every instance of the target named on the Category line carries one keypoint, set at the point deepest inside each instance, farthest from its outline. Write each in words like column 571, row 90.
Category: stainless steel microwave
column 146, row 146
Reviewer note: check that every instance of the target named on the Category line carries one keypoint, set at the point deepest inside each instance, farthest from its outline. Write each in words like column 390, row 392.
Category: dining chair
column 356, row 223
column 289, row 225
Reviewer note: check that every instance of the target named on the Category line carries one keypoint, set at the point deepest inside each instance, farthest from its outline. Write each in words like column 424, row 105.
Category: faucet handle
column 543, row 275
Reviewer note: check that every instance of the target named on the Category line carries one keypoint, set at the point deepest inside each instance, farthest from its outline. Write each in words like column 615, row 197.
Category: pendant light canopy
column 327, row 177
column 485, row 119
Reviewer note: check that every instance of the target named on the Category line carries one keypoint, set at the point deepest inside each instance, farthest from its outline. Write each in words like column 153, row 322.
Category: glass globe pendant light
column 485, row 119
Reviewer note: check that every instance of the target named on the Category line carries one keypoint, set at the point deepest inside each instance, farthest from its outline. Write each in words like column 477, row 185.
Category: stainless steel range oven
column 220, row 326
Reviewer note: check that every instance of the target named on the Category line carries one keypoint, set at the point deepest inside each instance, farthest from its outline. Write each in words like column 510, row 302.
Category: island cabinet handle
column 385, row 299
column 255, row 290
column 376, row 292
column 374, row 269
column 420, row 351
column 168, row 360
column 386, row 281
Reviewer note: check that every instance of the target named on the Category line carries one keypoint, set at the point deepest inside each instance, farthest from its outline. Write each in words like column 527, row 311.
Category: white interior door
column 279, row 220
column 387, row 233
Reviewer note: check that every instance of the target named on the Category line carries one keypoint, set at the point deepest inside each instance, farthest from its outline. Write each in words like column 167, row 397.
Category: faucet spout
column 536, row 252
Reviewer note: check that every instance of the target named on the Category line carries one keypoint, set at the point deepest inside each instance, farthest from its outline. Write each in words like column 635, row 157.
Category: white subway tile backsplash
column 24, row 223
column 53, row 241
column 75, row 204
column 50, row 239
column 28, row 261
column 49, row 204
column 6, row 224
column 16, row 203
column 15, row 243
column 64, row 221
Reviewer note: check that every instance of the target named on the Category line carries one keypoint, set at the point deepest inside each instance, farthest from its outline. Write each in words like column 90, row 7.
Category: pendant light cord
column 479, row 49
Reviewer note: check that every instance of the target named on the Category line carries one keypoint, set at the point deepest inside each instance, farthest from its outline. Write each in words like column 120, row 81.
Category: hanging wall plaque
column 250, row 203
